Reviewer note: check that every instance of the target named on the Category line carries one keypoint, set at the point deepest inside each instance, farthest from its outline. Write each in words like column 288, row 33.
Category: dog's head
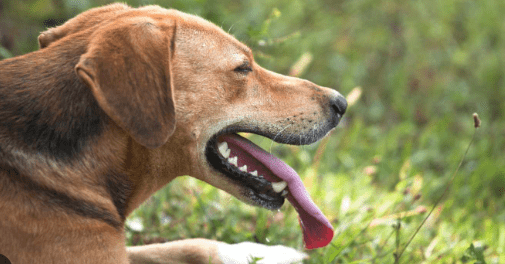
column 182, row 86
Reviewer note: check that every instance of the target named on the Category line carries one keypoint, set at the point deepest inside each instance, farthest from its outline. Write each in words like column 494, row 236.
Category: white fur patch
column 244, row 252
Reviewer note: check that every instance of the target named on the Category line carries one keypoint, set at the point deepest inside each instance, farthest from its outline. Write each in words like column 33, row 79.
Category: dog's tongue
column 317, row 230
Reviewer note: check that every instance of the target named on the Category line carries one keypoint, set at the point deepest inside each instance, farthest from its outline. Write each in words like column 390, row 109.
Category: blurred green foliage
column 424, row 68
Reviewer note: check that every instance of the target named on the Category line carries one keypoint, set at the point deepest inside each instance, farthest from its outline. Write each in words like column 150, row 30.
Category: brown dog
column 117, row 103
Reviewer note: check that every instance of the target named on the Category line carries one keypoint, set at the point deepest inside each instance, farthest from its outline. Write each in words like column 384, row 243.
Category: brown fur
column 117, row 103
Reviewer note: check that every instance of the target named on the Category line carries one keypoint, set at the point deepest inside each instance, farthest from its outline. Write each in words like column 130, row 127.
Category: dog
column 119, row 101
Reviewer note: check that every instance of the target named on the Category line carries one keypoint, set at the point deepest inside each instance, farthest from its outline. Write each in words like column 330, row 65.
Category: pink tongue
column 317, row 230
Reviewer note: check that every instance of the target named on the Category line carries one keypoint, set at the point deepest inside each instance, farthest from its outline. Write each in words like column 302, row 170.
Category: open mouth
column 268, row 181
column 234, row 156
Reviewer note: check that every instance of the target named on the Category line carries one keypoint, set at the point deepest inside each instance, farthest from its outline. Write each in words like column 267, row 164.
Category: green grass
column 424, row 67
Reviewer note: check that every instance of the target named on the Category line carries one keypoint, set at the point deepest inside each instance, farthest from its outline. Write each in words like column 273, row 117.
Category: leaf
column 4, row 53
column 474, row 253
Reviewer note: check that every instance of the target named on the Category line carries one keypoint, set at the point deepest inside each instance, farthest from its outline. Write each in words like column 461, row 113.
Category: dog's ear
column 127, row 66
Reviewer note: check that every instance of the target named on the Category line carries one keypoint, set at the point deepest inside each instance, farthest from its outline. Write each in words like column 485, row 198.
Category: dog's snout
column 338, row 104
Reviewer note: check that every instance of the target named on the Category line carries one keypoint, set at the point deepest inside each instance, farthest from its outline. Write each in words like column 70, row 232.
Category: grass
column 423, row 67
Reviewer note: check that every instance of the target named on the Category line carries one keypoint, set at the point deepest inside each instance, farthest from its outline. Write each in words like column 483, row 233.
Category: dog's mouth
column 233, row 156
column 267, row 181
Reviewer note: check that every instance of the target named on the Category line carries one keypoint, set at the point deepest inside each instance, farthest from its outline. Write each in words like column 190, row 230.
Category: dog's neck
column 45, row 106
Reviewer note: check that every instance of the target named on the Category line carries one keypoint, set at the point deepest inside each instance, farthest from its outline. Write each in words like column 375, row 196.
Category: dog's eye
column 244, row 68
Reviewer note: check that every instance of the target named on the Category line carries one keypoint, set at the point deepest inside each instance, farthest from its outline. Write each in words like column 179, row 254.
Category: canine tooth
column 284, row 193
column 226, row 153
column 233, row 161
column 254, row 173
column 223, row 147
column 279, row 186
column 243, row 168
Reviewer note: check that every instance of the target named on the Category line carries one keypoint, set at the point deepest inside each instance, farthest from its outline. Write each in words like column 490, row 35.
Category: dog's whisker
column 271, row 144
column 289, row 137
column 313, row 132
column 230, row 28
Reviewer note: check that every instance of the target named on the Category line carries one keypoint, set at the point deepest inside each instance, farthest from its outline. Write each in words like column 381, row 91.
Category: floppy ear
column 127, row 67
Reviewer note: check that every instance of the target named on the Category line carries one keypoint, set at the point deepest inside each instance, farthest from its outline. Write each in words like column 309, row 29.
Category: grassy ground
column 423, row 67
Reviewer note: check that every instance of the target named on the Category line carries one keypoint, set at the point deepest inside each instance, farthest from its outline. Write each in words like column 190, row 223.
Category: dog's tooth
column 233, row 161
column 279, row 186
column 243, row 168
column 223, row 147
column 284, row 193
column 254, row 173
column 226, row 153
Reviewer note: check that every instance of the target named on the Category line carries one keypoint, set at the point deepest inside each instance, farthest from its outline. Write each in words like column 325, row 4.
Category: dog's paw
column 246, row 252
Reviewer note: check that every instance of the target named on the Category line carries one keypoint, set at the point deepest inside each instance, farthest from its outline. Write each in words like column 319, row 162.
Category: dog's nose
column 338, row 104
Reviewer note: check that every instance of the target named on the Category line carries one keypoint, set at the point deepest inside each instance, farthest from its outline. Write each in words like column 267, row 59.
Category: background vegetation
column 423, row 67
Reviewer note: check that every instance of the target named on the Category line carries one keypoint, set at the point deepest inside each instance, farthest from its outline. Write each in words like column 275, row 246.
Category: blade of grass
column 477, row 124
column 337, row 251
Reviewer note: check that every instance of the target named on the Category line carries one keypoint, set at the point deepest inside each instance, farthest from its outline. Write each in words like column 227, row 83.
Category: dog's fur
column 116, row 103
